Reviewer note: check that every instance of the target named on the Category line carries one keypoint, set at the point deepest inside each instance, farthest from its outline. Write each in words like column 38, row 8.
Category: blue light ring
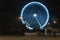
column 42, row 6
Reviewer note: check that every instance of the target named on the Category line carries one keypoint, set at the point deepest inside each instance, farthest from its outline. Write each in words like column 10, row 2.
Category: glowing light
column 29, row 27
column 48, row 23
column 35, row 14
column 54, row 21
column 20, row 17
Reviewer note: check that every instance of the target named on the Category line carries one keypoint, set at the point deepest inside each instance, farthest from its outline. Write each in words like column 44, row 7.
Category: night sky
column 11, row 9
column 52, row 5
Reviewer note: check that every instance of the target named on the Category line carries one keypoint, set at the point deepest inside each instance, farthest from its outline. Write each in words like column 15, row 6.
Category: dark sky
column 52, row 5
column 10, row 9
column 13, row 7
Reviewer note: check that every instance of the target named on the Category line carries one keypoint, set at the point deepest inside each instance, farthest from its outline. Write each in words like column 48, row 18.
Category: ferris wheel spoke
column 31, row 21
column 38, row 22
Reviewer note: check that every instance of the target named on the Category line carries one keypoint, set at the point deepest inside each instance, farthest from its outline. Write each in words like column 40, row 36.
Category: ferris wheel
column 35, row 15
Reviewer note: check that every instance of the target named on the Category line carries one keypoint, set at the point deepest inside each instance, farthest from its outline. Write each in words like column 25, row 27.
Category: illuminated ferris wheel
column 35, row 14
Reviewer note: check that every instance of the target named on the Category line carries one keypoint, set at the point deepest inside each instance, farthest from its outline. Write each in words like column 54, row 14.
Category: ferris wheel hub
column 35, row 15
